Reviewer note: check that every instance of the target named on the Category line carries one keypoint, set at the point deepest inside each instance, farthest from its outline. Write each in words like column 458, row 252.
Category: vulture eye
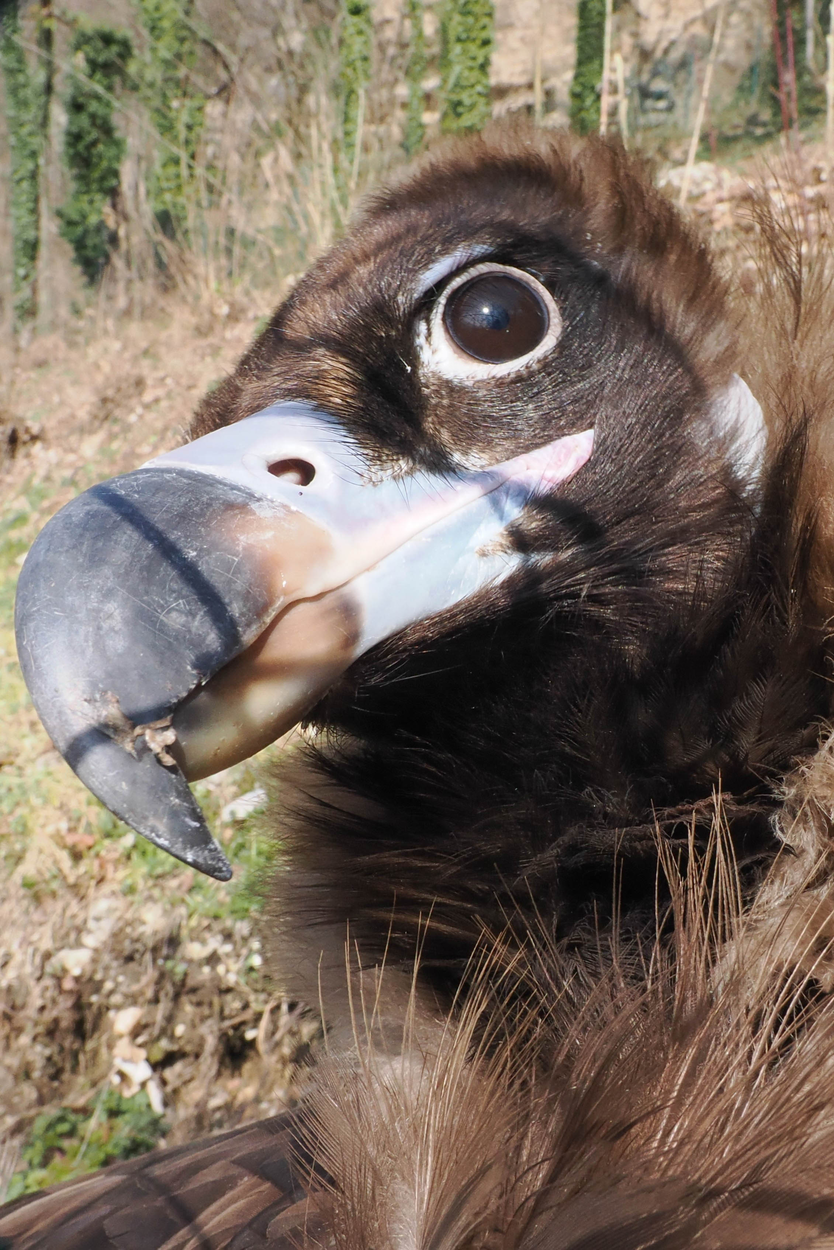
column 496, row 318
column 490, row 321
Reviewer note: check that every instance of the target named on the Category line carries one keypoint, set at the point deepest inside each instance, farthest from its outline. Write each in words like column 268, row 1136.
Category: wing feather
column 240, row 1189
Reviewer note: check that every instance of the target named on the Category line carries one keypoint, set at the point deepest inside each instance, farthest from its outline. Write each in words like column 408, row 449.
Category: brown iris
column 496, row 318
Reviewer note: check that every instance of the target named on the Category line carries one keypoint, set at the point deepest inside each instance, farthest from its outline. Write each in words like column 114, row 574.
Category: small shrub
column 810, row 91
column 467, row 37
column 93, row 149
column 66, row 1143
column 587, row 76
column 355, row 51
column 415, row 131
column 28, row 91
column 165, row 76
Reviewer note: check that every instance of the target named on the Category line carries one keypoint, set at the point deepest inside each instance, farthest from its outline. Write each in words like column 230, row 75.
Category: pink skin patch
column 548, row 467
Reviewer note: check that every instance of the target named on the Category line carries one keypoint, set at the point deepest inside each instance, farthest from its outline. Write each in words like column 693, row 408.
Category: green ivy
column 415, row 131
column 93, row 149
column 66, row 1143
column 587, row 76
column 355, row 51
column 176, row 106
column 467, row 37
column 27, row 91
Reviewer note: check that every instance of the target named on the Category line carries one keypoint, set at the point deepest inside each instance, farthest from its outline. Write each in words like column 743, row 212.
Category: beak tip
column 209, row 860
column 154, row 800
column 182, row 832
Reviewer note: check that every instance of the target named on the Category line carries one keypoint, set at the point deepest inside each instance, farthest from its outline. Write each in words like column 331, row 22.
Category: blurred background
column 168, row 168
column 219, row 145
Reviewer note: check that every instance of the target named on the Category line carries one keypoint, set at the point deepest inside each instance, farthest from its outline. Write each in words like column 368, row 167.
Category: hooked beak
column 173, row 621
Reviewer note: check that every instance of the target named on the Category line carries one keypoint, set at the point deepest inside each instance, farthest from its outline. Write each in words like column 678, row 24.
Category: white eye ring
column 438, row 352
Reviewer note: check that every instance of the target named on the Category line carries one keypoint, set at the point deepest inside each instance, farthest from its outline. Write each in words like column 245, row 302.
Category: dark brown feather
column 677, row 1097
column 239, row 1190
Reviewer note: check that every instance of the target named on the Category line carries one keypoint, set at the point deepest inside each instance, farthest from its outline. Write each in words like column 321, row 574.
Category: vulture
column 522, row 508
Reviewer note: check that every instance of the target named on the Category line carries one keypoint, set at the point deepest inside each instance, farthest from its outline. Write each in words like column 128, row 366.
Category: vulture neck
column 524, row 765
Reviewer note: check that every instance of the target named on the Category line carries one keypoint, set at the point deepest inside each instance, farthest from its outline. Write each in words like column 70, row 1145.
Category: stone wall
column 664, row 44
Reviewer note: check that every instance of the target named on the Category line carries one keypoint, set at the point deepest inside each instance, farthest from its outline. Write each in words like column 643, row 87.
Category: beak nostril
column 296, row 472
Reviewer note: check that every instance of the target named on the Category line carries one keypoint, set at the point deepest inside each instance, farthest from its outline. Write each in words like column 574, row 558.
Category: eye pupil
column 491, row 317
column 495, row 318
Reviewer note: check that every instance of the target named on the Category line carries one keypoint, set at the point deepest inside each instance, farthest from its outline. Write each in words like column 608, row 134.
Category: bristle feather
column 677, row 1096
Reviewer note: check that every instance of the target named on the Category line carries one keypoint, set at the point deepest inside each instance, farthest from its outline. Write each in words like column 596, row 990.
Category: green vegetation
column 587, row 76
column 467, row 36
column 165, row 75
column 754, row 114
column 355, row 51
column 810, row 90
column 93, row 148
column 28, row 89
column 66, row 1143
column 415, row 131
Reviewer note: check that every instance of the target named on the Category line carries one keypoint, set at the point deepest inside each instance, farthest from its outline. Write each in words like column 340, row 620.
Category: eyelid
column 454, row 263
column 437, row 352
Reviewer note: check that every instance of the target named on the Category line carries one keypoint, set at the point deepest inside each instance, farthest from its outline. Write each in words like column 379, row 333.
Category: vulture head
column 505, row 506
column 491, row 505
